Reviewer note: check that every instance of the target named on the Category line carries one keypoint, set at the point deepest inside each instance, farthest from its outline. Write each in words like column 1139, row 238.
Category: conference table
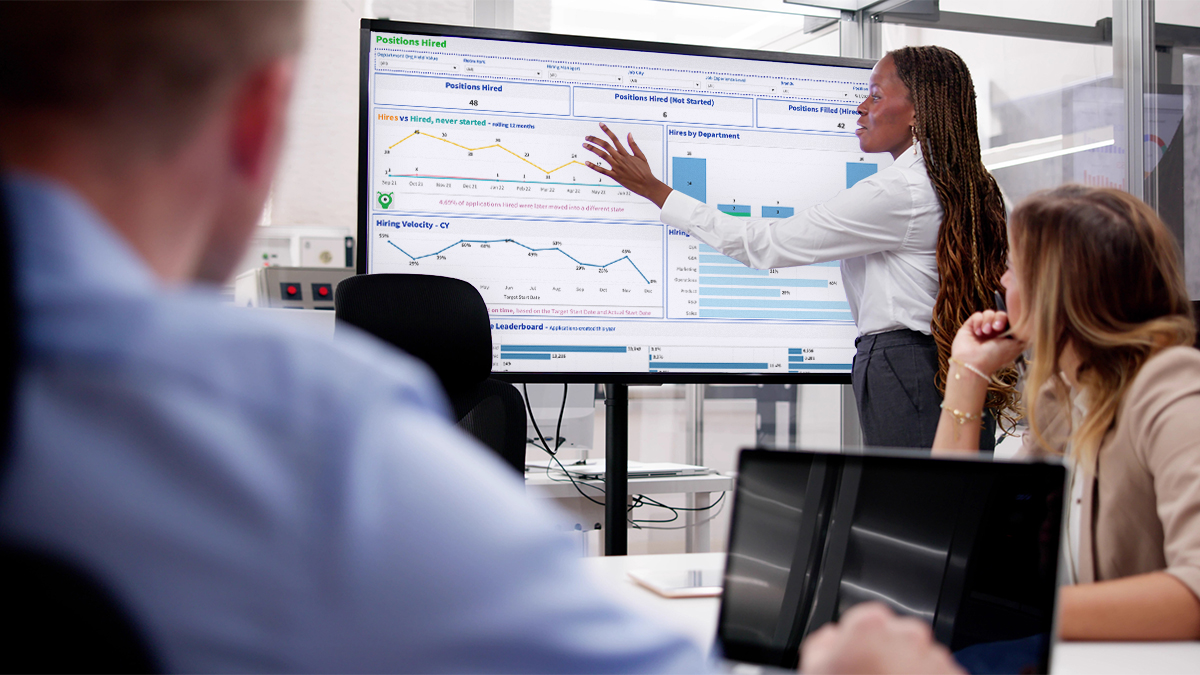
column 697, row 617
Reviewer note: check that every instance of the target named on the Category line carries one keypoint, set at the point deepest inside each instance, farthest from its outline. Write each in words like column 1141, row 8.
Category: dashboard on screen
column 472, row 166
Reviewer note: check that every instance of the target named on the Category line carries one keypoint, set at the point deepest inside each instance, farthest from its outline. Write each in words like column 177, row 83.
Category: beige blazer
column 1141, row 499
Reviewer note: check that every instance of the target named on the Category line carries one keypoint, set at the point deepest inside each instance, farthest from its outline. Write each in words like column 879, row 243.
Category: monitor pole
column 616, row 468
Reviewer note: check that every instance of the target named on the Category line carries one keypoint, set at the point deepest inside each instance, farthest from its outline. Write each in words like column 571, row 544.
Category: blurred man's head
column 166, row 116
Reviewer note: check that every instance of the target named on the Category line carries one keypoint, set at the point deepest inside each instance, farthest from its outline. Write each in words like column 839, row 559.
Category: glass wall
column 656, row 21
column 1049, row 112
column 1173, row 149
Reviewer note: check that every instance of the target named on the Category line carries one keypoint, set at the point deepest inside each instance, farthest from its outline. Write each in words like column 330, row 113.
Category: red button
column 291, row 290
column 323, row 291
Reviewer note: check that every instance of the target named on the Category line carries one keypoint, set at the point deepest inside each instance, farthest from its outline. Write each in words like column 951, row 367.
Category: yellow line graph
column 486, row 147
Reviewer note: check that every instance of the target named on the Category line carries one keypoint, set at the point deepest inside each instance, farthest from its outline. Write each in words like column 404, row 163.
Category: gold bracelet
column 971, row 368
column 961, row 415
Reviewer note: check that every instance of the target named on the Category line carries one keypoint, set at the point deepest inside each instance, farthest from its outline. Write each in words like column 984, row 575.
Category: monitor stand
column 616, row 480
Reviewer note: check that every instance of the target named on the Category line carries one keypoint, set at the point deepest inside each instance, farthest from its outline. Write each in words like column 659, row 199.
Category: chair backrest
column 59, row 618
column 442, row 321
column 495, row 414
column 445, row 323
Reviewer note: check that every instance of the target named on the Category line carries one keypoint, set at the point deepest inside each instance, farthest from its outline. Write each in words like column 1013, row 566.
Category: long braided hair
column 972, row 247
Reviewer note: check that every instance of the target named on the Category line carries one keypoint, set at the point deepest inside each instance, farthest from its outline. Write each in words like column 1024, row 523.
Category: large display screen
column 472, row 166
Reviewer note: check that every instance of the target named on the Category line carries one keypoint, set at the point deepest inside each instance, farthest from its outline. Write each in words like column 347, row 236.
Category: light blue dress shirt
column 268, row 500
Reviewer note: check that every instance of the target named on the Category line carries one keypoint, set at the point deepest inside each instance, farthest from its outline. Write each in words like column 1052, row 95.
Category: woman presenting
column 921, row 242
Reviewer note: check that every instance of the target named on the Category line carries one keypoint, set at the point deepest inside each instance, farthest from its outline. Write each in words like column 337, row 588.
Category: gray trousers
column 898, row 403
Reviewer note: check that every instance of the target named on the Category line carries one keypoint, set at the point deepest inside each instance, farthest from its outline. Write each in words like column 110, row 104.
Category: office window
column 1174, row 160
column 1078, row 12
column 662, row 21
column 1048, row 111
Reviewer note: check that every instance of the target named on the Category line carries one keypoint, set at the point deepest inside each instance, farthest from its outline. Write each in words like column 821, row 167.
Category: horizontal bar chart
column 797, row 362
column 786, row 315
column 758, row 281
column 705, row 365
column 818, row 366
column 742, row 271
column 775, row 304
column 740, row 292
column 594, row 349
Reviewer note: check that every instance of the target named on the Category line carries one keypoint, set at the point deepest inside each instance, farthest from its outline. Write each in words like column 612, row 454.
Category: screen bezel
column 381, row 25
column 857, row 460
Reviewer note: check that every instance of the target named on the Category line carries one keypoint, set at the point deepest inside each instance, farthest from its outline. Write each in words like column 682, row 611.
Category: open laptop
column 970, row 546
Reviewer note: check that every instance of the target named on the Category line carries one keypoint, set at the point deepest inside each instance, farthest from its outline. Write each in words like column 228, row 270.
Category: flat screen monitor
column 471, row 166
column 971, row 547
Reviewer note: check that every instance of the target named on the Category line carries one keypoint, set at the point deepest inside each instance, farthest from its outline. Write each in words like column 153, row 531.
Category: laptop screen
column 969, row 546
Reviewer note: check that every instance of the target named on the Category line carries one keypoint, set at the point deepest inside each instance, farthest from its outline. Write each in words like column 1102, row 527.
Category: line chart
column 481, row 164
column 532, row 268
column 525, row 159
column 529, row 248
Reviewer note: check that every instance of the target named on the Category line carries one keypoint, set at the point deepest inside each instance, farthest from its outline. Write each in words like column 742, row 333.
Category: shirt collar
column 61, row 244
column 910, row 157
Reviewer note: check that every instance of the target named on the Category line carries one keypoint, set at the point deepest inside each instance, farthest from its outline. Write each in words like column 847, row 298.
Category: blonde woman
column 1095, row 291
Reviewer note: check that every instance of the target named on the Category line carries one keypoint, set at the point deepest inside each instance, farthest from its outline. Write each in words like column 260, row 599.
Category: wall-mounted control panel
column 288, row 287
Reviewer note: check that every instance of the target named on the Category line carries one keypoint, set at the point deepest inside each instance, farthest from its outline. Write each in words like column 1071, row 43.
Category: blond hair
column 1099, row 272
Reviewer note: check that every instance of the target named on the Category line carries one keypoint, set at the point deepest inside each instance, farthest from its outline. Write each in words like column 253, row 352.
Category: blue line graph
column 529, row 248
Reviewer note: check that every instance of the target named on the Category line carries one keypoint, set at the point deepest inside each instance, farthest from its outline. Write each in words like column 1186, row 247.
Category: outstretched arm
column 630, row 169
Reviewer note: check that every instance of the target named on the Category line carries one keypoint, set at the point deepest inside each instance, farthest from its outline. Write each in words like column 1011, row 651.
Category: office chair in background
column 444, row 322
column 60, row 618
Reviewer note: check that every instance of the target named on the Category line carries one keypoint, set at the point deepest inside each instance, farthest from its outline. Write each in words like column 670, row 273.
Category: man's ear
column 259, row 119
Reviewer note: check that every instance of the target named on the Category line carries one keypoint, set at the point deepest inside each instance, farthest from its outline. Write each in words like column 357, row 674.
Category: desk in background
column 697, row 618
column 589, row 514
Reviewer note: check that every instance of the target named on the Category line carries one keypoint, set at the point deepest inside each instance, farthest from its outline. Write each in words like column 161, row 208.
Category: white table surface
column 538, row 484
column 697, row 617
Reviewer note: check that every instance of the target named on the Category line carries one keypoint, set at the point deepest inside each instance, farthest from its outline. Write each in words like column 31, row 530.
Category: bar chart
column 558, row 357
column 816, row 359
column 789, row 173
column 724, row 283
column 665, row 357
column 750, row 359
column 709, row 285
column 737, row 210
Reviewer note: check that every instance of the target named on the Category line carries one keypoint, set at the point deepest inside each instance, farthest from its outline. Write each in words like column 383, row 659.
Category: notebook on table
column 970, row 546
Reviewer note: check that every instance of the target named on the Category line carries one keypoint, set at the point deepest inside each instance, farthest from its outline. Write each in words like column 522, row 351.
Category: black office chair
column 444, row 322
column 60, row 619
